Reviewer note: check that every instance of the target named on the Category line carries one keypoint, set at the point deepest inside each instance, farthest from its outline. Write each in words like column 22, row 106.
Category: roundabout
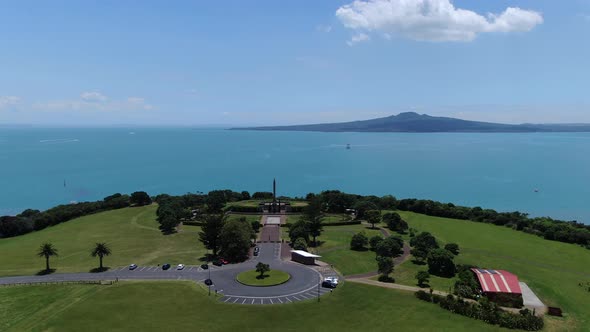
column 255, row 279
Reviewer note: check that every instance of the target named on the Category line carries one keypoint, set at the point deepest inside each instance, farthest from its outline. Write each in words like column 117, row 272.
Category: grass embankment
column 131, row 233
column 248, row 217
column 256, row 203
column 270, row 278
column 185, row 306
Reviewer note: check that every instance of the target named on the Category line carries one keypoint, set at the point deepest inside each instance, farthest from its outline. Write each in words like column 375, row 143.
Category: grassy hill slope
column 132, row 234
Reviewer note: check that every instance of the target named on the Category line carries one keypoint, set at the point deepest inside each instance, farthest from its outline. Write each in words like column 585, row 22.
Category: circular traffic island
column 270, row 278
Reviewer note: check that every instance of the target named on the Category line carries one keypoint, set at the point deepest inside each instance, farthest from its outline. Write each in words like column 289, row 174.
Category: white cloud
column 94, row 101
column 8, row 101
column 93, row 96
column 431, row 20
column 358, row 38
column 324, row 28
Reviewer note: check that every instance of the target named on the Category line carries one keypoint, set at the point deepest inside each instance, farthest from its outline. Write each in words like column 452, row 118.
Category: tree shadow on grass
column 262, row 277
column 98, row 269
column 424, row 285
column 45, row 272
column 417, row 262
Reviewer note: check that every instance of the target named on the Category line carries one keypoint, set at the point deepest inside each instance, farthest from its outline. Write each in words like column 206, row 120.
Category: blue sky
column 283, row 62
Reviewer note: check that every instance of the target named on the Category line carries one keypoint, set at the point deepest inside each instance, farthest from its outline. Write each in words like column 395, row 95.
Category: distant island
column 411, row 122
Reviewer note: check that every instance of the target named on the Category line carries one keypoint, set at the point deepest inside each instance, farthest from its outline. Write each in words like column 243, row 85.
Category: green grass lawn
column 552, row 269
column 249, row 203
column 185, row 306
column 335, row 249
column 131, row 233
column 270, row 278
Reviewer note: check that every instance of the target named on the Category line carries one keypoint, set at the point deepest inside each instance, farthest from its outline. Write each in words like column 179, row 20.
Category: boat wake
column 59, row 140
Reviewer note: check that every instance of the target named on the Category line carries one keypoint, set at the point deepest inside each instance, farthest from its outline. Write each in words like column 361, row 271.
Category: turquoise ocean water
column 500, row 171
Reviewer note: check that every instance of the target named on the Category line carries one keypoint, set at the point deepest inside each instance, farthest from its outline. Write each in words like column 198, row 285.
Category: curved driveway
column 304, row 282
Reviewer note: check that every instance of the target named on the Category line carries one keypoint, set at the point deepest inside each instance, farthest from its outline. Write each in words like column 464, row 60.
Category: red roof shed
column 497, row 281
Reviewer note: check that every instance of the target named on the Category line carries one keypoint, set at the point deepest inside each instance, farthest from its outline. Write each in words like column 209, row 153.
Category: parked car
column 256, row 253
column 165, row 266
column 180, row 267
column 204, row 266
column 330, row 282
column 208, row 282
column 132, row 267
column 218, row 263
column 257, row 249
column 223, row 261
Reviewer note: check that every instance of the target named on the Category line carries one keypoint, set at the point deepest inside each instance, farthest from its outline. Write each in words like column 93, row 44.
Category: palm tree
column 47, row 250
column 100, row 250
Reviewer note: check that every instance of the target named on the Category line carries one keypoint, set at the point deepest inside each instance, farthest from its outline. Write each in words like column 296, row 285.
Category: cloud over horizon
column 8, row 101
column 430, row 20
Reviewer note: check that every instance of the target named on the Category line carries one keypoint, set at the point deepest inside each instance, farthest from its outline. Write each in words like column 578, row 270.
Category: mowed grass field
column 185, row 306
column 131, row 233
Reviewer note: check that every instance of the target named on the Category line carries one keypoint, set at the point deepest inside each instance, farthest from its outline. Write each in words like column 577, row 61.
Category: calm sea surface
column 500, row 171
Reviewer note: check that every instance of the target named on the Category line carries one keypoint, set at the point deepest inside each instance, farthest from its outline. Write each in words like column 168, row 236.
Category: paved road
column 302, row 285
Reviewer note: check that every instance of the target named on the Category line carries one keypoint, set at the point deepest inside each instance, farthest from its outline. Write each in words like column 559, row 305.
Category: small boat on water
column 536, row 190
column 347, row 146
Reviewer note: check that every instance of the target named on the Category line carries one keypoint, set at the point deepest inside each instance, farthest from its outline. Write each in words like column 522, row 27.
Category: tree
column 211, row 230
column 298, row 230
column 101, row 249
column 245, row 195
column 453, row 248
column 373, row 217
column 168, row 224
column 256, row 225
column 140, row 198
column 440, row 262
column 262, row 269
column 47, row 250
column 384, row 266
column 362, row 206
column 395, row 222
column 215, row 201
column 424, row 241
column 389, row 247
column 419, row 254
column 300, row 244
column 234, row 240
column 374, row 241
column 422, row 277
column 359, row 241
column 313, row 216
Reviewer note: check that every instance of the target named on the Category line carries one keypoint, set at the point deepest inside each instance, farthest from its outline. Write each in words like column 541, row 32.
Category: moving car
column 132, row 267
column 218, row 263
column 256, row 251
column 204, row 266
column 330, row 282
column 180, row 267
column 165, row 266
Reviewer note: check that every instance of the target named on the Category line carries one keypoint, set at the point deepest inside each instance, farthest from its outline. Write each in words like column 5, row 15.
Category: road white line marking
column 142, row 268
column 236, row 300
column 191, row 268
column 295, row 296
column 288, row 299
column 252, row 301
column 278, row 298
column 271, row 302
column 244, row 301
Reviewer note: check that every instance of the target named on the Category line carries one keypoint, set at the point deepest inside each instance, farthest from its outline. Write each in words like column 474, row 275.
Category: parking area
column 308, row 294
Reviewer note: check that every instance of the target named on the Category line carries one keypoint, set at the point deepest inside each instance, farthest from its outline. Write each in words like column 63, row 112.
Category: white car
column 330, row 282
column 132, row 267
column 180, row 267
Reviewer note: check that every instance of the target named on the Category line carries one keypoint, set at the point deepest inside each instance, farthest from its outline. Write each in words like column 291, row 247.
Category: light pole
column 319, row 284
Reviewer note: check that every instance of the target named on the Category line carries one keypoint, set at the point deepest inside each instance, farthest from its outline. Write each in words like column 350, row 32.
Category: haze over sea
column 543, row 174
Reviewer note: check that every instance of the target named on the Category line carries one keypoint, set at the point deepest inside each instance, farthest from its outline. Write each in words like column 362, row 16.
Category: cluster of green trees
column 425, row 248
column 34, row 220
column 385, row 249
column 486, row 311
column 48, row 250
column 309, row 227
column 564, row 231
column 231, row 239
column 173, row 209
